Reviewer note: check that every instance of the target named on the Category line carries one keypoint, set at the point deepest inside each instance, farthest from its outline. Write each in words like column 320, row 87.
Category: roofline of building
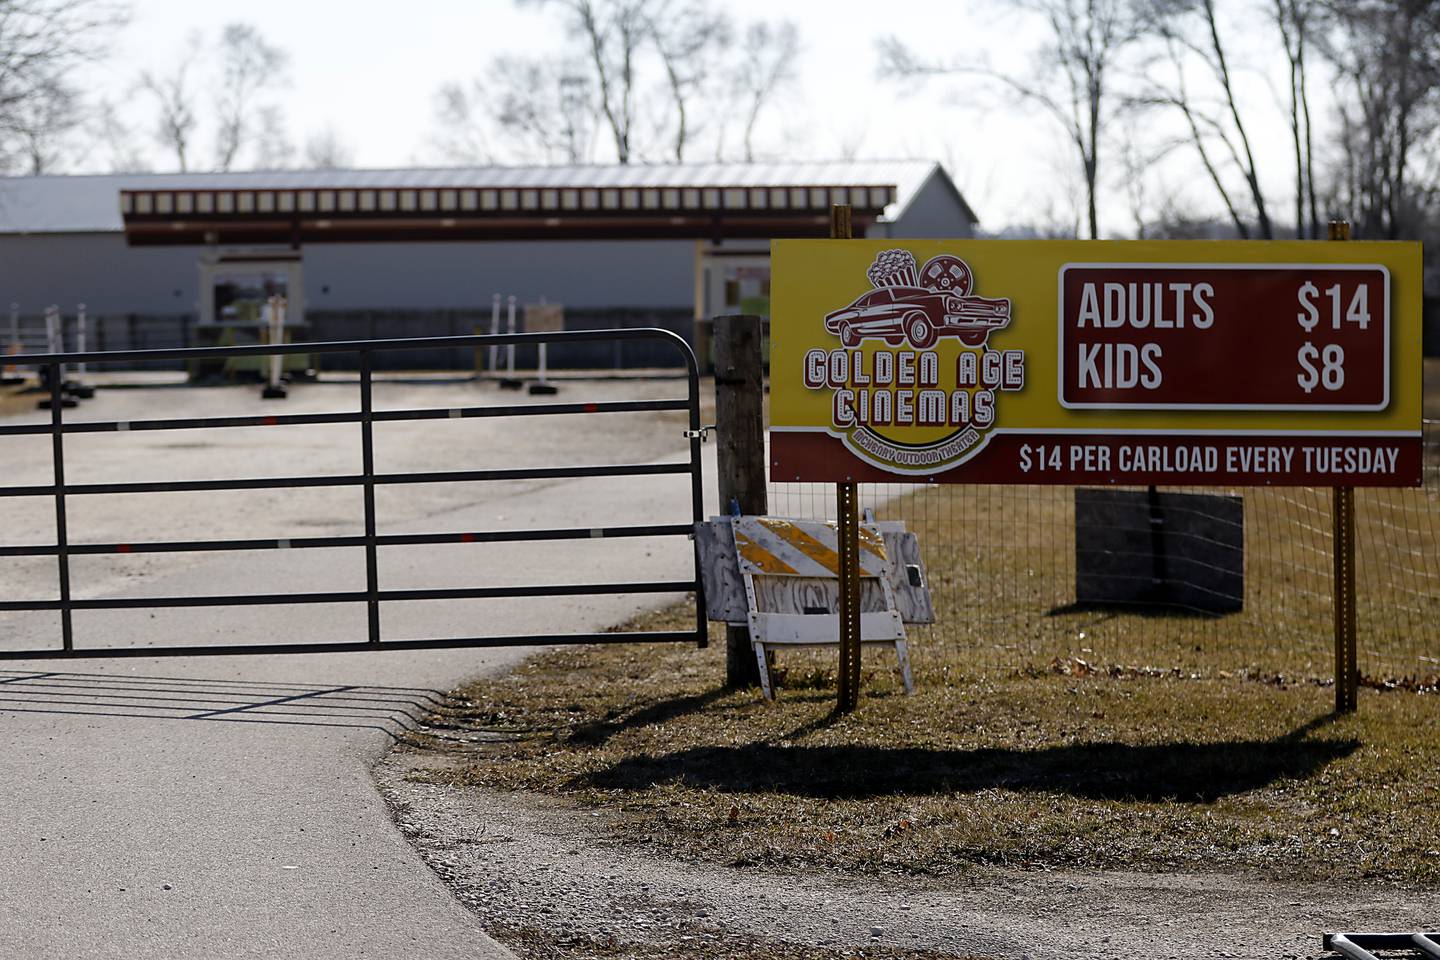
column 515, row 167
column 703, row 200
column 939, row 171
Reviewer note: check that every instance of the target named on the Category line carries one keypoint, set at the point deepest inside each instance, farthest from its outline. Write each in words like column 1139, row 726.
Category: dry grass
column 1064, row 766
column 1001, row 565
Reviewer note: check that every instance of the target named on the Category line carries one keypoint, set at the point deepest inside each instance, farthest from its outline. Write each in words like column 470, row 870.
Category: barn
column 179, row 259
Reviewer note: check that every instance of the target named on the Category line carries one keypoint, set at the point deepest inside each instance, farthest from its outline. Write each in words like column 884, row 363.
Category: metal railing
column 372, row 596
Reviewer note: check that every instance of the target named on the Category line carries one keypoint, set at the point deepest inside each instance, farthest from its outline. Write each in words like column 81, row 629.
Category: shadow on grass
column 1181, row 772
column 597, row 733
column 1150, row 609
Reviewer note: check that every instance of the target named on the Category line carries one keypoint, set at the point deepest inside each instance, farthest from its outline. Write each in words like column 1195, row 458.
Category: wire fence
column 1002, row 567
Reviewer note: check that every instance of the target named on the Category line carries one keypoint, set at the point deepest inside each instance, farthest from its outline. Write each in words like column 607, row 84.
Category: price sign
column 1179, row 362
column 1225, row 336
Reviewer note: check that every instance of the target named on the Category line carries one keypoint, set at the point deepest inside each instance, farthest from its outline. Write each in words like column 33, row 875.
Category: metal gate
column 373, row 596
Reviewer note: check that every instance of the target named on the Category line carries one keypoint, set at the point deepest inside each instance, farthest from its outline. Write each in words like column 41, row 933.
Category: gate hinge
column 703, row 433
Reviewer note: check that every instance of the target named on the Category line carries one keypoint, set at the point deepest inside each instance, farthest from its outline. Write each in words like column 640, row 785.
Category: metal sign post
column 53, row 376
column 275, row 317
column 1347, row 674
column 510, row 382
column 494, row 332
column 54, row 335
column 78, row 388
column 543, row 317
column 9, row 374
column 81, row 337
column 847, row 505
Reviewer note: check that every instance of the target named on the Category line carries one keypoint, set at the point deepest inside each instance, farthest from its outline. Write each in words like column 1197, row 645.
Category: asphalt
column 224, row 807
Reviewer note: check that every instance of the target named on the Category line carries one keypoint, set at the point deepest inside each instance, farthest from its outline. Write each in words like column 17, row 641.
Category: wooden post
column 847, row 506
column 1342, row 502
column 1347, row 679
column 740, row 453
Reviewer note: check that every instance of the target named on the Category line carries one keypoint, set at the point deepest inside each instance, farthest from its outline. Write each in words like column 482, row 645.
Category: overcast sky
column 370, row 69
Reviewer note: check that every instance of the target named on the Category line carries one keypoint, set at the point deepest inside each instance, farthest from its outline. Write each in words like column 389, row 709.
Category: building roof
column 733, row 199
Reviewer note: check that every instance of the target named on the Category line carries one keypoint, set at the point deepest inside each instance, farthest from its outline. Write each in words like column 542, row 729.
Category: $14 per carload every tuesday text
column 1130, row 457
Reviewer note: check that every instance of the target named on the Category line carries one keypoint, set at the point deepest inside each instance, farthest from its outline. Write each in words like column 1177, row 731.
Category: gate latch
column 703, row 433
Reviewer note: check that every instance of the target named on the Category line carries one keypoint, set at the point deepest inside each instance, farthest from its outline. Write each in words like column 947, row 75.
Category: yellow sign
column 1171, row 362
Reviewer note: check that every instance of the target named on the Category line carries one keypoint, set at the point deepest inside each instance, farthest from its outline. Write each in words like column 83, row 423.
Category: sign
column 544, row 318
column 1118, row 321
column 1072, row 362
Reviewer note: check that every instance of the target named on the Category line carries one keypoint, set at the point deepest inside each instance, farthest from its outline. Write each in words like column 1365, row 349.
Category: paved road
column 223, row 807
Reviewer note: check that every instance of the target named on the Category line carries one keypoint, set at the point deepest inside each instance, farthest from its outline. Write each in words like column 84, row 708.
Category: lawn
column 1001, row 563
column 1063, row 765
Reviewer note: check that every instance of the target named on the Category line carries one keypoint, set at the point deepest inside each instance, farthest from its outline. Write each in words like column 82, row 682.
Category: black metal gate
column 372, row 596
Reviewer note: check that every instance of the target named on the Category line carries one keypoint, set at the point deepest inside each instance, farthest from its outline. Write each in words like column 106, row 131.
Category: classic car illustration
column 922, row 316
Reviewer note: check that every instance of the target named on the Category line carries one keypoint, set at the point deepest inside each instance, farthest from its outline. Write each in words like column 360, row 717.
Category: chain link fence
column 1001, row 563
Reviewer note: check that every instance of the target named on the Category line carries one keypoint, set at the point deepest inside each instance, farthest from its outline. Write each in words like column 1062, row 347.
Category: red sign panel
column 1160, row 458
column 1164, row 336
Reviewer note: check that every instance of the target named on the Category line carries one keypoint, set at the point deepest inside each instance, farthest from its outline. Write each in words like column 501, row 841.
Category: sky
column 369, row 70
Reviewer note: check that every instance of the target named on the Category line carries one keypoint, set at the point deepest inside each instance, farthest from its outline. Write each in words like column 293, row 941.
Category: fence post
column 1342, row 502
column 847, row 507
column 740, row 453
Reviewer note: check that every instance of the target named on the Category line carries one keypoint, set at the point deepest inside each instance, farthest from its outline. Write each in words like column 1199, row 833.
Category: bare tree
column 1294, row 19
column 174, row 95
column 545, row 107
column 325, row 150
column 1085, row 37
column 41, row 126
column 542, row 109
column 768, row 53
column 688, row 36
column 644, row 78
column 1388, row 56
column 109, row 131
column 614, row 34
column 41, row 43
column 249, row 66
column 273, row 149
column 1135, row 161
column 1201, row 128
column 575, row 108
column 1191, row 33
column 461, row 121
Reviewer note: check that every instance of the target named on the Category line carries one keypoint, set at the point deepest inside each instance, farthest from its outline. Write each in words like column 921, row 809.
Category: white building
column 393, row 252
